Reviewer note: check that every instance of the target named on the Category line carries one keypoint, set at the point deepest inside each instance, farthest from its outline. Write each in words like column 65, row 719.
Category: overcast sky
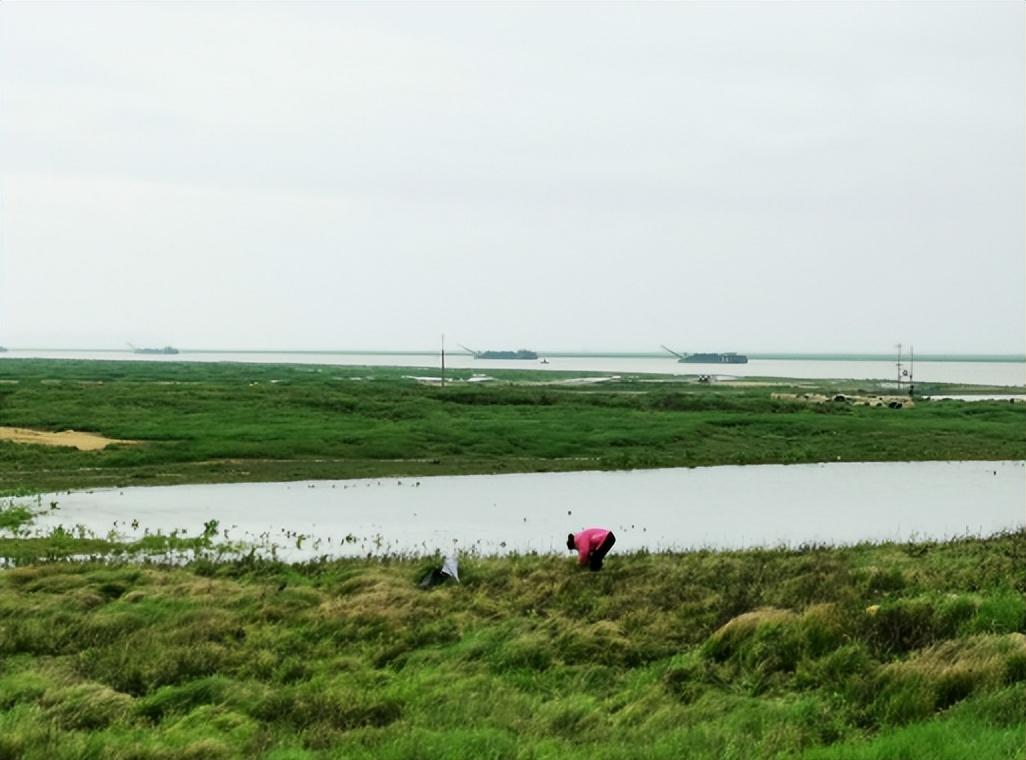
column 727, row 177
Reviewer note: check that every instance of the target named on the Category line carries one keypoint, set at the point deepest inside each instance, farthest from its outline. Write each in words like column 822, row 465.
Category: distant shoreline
column 202, row 422
column 770, row 356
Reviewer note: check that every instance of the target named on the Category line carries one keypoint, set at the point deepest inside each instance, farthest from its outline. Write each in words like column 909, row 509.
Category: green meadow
column 873, row 651
column 196, row 422
column 870, row 652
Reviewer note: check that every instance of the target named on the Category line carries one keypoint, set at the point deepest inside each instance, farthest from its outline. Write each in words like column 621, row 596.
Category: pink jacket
column 588, row 541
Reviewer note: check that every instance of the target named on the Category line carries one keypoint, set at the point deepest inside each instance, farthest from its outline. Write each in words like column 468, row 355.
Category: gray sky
column 749, row 177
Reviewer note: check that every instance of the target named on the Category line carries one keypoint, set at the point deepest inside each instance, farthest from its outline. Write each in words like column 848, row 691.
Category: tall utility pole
column 911, row 369
column 443, row 360
column 899, row 367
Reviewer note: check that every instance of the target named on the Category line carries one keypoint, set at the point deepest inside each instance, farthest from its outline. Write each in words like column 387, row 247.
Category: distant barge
column 727, row 358
column 168, row 350
column 730, row 358
column 523, row 353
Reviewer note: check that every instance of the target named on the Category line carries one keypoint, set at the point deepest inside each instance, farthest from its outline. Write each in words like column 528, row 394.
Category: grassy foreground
column 241, row 422
column 888, row 651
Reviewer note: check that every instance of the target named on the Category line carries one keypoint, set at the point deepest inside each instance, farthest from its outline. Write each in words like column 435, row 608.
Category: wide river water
column 1005, row 373
column 714, row 507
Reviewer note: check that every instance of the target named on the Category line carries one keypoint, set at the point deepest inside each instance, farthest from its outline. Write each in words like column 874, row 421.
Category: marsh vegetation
column 178, row 646
column 233, row 422
column 873, row 651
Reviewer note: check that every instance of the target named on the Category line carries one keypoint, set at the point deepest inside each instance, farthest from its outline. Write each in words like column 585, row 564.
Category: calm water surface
column 1017, row 398
column 719, row 507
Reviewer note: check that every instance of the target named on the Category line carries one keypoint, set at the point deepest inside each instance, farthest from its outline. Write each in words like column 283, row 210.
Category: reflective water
column 1007, row 373
column 651, row 509
column 1014, row 397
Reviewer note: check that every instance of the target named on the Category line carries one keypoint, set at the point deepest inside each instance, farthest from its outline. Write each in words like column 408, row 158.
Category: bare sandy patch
column 74, row 438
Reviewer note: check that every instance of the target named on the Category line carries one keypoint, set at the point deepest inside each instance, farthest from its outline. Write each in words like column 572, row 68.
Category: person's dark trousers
column 595, row 560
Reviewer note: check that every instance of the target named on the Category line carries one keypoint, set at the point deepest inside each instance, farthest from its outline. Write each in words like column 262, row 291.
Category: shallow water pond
column 716, row 507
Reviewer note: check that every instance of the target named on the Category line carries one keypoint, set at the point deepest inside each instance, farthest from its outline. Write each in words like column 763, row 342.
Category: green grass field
column 871, row 652
column 238, row 422
column 888, row 651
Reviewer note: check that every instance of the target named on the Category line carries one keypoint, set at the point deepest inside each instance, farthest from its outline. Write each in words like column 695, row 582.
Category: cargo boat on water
column 522, row 353
column 165, row 350
column 727, row 358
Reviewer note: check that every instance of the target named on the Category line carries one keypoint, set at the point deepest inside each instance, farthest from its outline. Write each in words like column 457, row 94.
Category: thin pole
column 911, row 369
column 443, row 360
column 899, row 367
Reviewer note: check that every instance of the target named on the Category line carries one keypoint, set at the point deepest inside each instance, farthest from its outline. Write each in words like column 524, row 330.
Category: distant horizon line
column 772, row 355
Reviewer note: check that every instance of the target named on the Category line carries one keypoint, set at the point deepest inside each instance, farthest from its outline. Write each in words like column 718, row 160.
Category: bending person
column 591, row 545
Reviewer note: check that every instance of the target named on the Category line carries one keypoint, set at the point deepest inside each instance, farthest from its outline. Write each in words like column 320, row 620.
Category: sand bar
column 74, row 438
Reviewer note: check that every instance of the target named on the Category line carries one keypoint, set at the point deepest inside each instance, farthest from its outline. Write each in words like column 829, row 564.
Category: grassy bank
column 241, row 422
column 910, row 650
column 875, row 651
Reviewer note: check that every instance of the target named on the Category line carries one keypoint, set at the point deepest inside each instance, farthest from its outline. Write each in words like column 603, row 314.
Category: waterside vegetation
column 182, row 646
column 873, row 651
column 207, row 422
